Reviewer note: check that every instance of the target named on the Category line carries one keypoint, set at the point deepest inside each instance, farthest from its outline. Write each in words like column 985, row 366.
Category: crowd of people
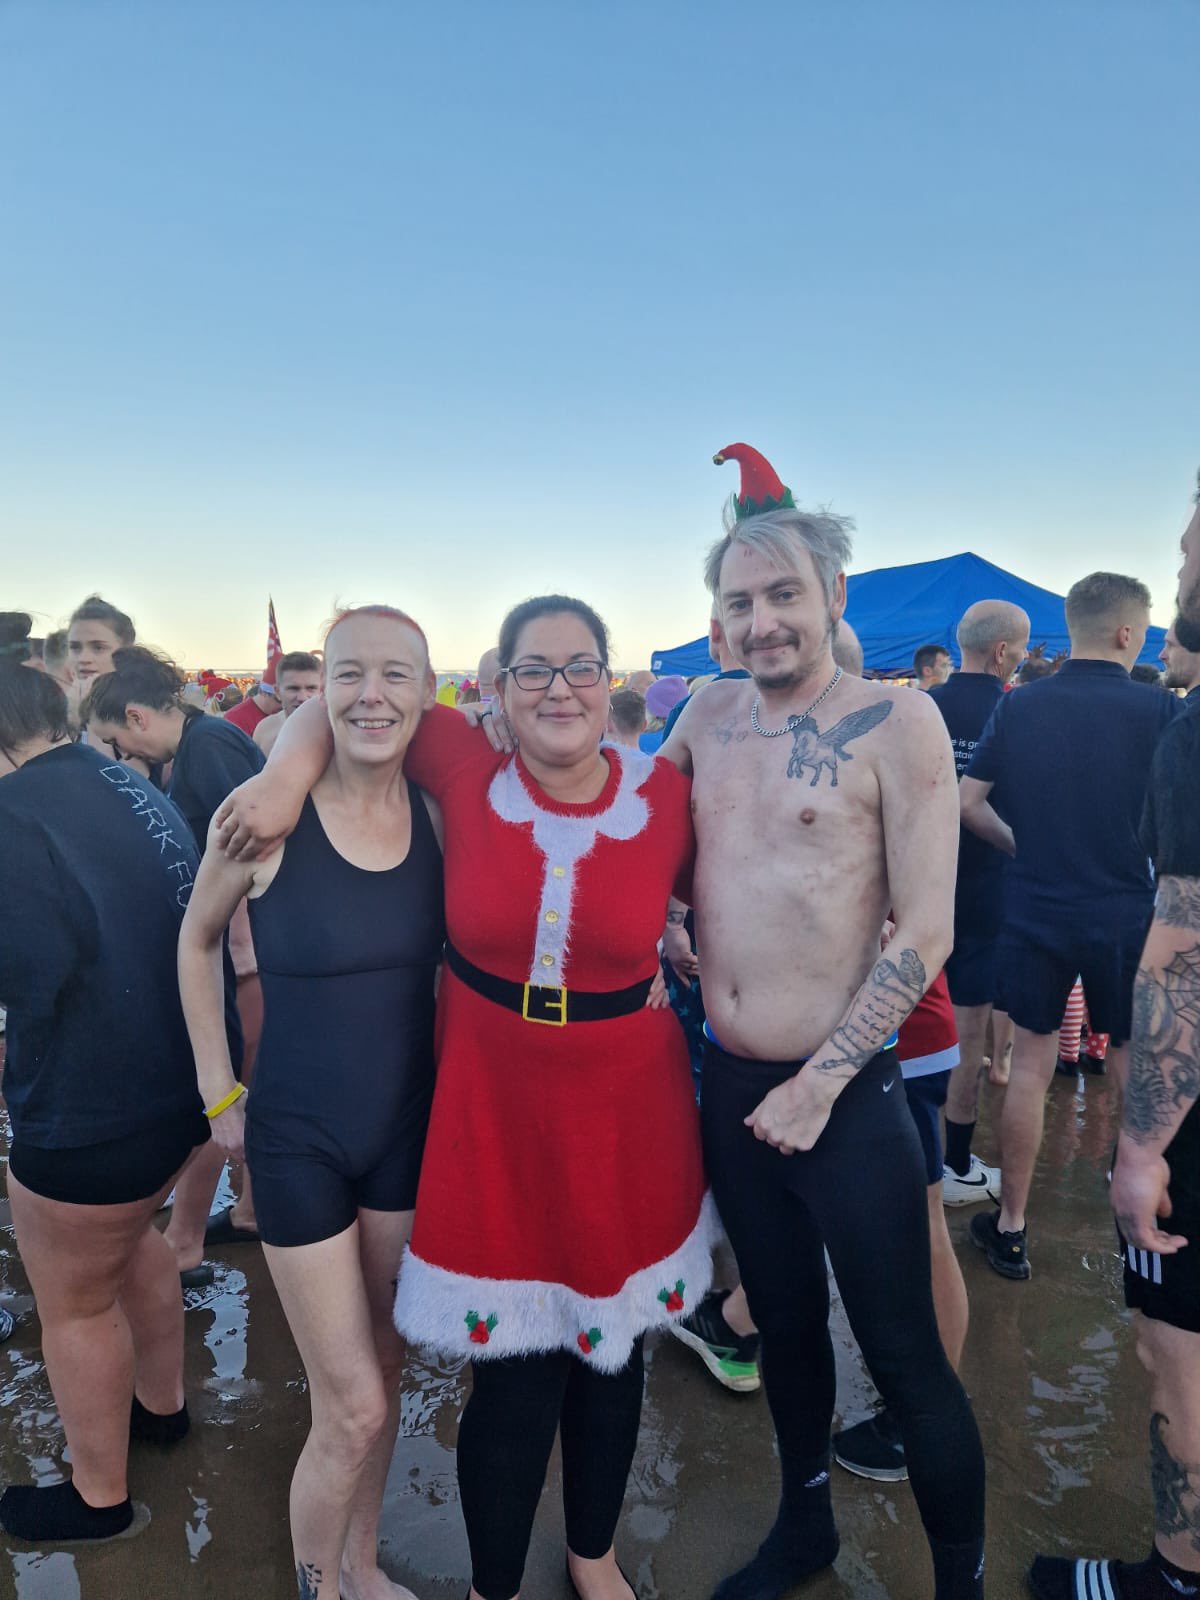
column 505, row 1014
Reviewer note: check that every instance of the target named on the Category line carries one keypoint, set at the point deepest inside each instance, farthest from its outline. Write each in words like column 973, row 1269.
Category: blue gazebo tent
column 894, row 610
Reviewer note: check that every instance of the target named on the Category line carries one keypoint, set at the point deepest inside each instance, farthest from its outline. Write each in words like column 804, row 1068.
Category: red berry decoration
column 589, row 1340
column 673, row 1298
column 479, row 1330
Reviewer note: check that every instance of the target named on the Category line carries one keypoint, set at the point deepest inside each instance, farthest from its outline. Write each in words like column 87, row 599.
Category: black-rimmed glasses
column 539, row 675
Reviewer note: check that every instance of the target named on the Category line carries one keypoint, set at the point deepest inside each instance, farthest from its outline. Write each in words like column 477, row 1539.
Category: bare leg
column 1118, row 1070
column 78, row 1259
column 962, row 1092
column 736, row 1312
column 382, row 1236
column 1172, row 1356
column 949, row 1290
column 194, row 1192
column 149, row 1297
column 1022, row 1119
column 325, row 1301
column 1002, row 1048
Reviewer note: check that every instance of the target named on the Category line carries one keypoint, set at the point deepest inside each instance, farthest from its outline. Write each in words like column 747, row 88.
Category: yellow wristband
column 234, row 1094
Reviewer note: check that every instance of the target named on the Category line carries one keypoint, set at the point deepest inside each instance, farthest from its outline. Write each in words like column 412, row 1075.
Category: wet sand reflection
column 1060, row 1396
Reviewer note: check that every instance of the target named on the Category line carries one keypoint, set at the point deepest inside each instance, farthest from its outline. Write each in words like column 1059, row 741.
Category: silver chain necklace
column 775, row 733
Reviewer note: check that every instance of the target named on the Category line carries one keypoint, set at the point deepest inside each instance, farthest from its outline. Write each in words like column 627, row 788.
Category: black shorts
column 1034, row 980
column 926, row 1096
column 312, row 1178
column 971, row 969
column 116, row 1173
column 1167, row 1288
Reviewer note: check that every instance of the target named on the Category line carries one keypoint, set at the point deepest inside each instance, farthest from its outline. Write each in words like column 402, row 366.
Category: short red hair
column 393, row 612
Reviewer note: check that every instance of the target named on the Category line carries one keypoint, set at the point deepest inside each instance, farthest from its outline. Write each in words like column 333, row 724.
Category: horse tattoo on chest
column 816, row 750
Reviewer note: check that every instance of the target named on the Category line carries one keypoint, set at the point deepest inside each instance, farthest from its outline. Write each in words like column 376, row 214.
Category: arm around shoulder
column 265, row 809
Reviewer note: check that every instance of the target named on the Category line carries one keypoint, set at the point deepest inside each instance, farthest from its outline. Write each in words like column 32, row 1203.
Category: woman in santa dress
column 561, row 1210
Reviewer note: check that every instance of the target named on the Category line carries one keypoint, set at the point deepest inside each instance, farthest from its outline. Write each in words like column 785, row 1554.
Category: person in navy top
column 96, row 868
column 993, row 637
column 1068, row 759
column 136, row 710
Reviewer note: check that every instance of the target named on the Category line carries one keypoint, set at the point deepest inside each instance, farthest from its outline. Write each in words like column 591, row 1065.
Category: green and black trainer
column 732, row 1359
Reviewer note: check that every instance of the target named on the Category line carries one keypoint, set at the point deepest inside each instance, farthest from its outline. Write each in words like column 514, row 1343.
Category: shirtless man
column 821, row 802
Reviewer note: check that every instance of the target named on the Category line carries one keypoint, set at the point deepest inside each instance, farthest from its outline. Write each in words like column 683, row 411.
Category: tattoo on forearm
column 818, row 751
column 308, row 1581
column 878, row 1009
column 1164, row 1061
column 1176, row 1486
column 1177, row 903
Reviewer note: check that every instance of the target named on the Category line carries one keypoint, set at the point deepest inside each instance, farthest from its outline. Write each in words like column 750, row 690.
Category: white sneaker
column 980, row 1183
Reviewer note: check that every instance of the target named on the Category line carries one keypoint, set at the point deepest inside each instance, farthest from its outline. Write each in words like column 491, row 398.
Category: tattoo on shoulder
column 879, row 1008
column 1176, row 1487
column 727, row 732
column 821, row 752
column 1164, row 1060
column 1178, row 902
column 308, row 1581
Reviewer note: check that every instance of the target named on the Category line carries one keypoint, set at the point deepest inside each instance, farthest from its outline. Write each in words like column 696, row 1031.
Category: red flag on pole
column 274, row 648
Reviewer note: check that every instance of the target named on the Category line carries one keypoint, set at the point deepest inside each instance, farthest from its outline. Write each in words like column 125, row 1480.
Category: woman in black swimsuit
column 347, row 920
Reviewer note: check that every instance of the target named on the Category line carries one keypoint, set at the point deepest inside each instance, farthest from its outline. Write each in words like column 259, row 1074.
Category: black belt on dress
column 537, row 1002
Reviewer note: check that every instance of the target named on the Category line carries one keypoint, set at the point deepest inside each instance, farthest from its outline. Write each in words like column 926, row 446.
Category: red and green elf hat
column 762, row 487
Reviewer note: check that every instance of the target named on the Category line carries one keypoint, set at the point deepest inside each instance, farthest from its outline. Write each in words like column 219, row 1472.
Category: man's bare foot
column 371, row 1584
column 598, row 1580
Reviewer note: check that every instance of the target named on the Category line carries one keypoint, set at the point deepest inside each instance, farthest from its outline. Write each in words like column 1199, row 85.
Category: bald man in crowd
column 993, row 637
column 1182, row 667
column 489, row 666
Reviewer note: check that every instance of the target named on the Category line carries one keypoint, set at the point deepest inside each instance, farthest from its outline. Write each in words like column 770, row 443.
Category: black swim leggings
column 517, row 1405
column 861, row 1194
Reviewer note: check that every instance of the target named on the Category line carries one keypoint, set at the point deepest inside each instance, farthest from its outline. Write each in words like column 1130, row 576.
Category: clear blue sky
column 447, row 305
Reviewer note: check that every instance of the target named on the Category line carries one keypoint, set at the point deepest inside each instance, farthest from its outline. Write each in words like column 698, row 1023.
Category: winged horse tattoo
column 816, row 750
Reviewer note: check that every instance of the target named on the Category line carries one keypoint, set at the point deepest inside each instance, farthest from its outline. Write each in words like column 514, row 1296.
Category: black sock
column 803, row 1540
column 157, row 1427
column 59, row 1513
column 1053, row 1578
column 957, row 1570
column 958, row 1146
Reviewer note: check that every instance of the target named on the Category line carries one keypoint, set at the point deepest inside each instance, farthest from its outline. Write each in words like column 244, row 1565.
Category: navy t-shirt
column 213, row 757
column 1171, row 823
column 96, row 867
column 966, row 702
column 1070, row 758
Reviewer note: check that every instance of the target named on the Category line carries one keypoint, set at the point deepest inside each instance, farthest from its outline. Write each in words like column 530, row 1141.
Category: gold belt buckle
column 545, row 999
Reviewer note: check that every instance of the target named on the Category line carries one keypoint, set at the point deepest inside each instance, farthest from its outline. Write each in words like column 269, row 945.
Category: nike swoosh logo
column 887, row 1088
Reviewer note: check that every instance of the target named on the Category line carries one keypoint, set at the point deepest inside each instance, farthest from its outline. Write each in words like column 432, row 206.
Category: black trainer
column 872, row 1449
column 732, row 1359
column 1005, row 1251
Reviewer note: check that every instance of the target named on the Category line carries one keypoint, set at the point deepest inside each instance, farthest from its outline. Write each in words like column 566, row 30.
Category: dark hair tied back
column 549, row 605
column 139, row 677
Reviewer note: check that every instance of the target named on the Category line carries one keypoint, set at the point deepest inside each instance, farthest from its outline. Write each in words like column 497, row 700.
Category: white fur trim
column 563, row 842
column 533, row 1318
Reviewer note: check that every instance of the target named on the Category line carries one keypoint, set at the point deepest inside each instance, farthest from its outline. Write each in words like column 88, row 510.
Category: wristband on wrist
column 234, row 1095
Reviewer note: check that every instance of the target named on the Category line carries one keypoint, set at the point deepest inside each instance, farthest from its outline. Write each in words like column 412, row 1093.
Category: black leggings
column 861, row 1194
column 504, row 1441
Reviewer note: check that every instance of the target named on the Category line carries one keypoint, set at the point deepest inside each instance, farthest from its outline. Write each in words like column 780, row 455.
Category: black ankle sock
column 1053, row 1578
column 156, row 1427
column 803, row 1541
column 59, row 1513
column 958, row 1146
column 957, row 1570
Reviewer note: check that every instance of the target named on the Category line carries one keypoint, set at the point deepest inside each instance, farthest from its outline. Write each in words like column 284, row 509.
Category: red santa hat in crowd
column 762, row 488
column 212, row 683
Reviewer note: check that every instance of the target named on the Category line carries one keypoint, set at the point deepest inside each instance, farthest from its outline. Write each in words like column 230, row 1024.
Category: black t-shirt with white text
column 966, row 701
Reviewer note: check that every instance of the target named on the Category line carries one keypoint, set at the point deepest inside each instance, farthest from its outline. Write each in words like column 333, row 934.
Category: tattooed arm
column 919, row 819
column 1164, row 1064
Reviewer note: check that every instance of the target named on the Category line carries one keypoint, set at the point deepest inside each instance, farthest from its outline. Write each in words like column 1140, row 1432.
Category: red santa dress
column 562, row 1201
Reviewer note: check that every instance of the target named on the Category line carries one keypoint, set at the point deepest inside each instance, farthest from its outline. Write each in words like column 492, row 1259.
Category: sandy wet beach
column 1050, row 1365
